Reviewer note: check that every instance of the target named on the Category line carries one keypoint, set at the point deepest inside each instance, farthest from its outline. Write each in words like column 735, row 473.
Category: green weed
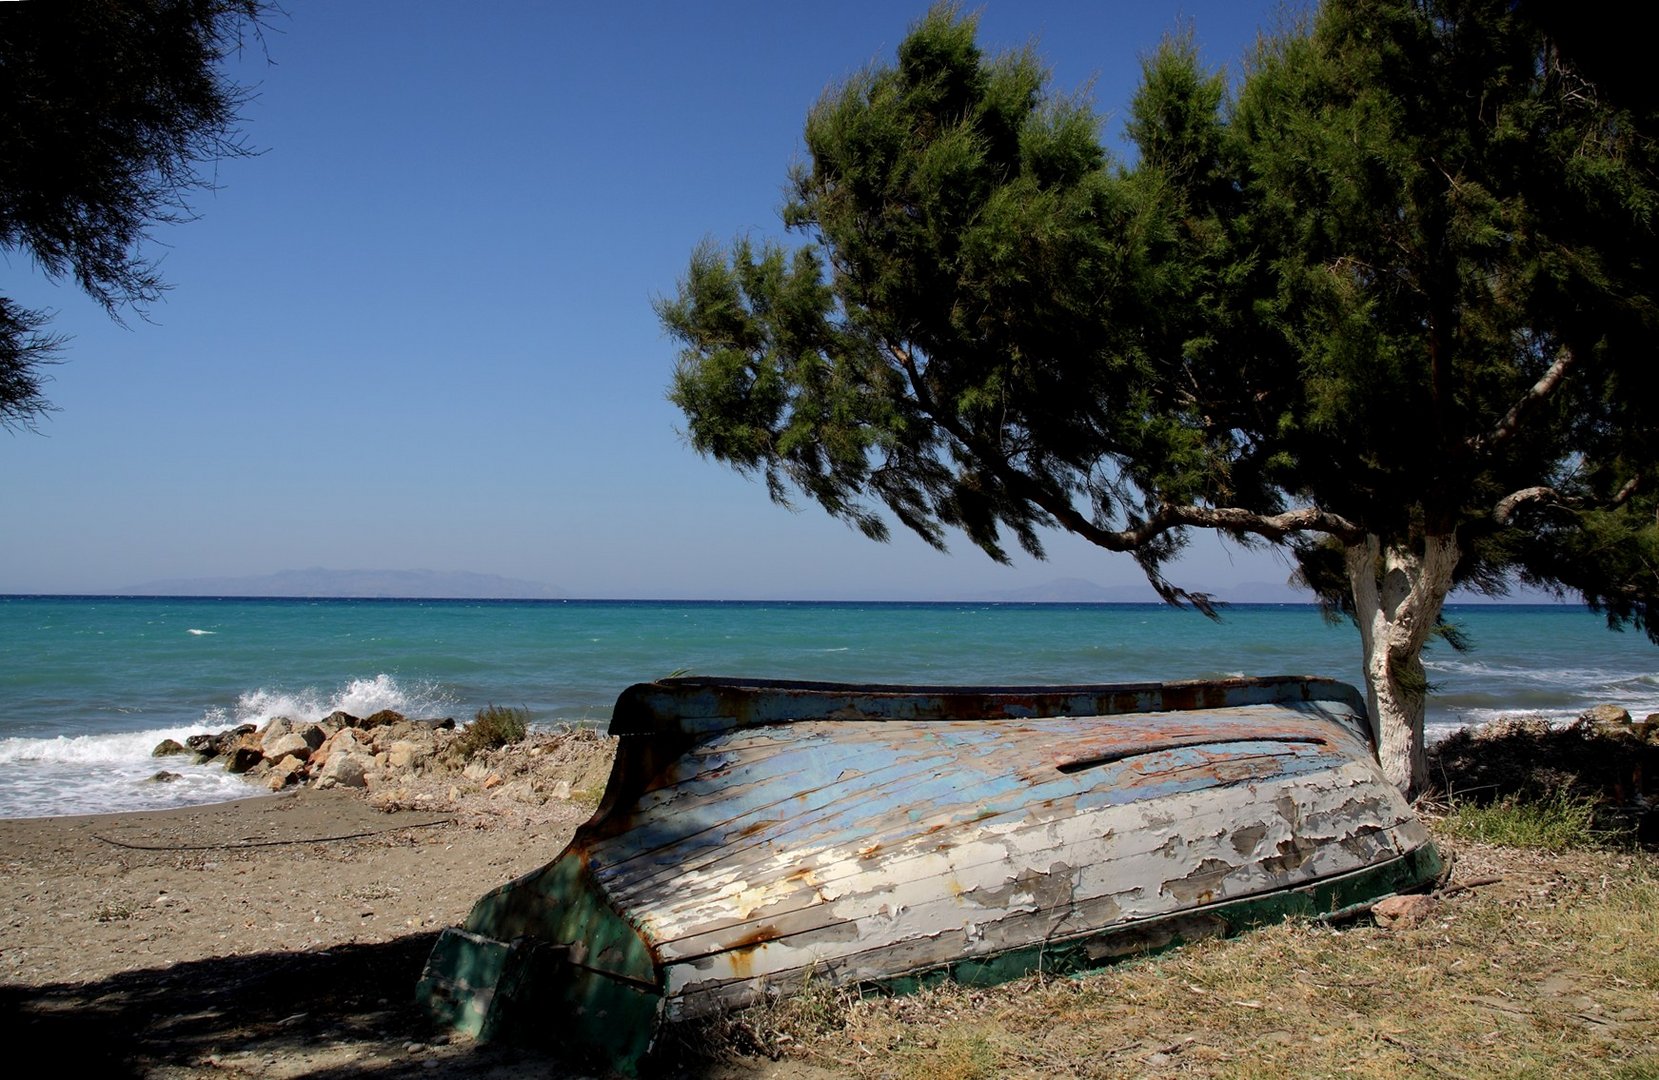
column 1558, row 822
column 494, row 726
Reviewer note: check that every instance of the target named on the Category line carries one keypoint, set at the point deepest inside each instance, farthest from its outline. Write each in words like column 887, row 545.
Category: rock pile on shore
column 340, row 750
column 404, row 763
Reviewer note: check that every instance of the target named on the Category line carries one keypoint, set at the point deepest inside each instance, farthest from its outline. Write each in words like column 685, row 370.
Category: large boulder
column 1611, row 719
column 276, row 728
column 220, row 743
column 292, row 744
column 383, row 718
column 345, row 769
column 343, row 741
column 313, row 734
column 405, row 754
column 169, row 747
column 244, row 758
column 288, row 770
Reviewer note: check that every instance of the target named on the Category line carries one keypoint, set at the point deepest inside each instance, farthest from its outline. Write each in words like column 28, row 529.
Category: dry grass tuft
column 1559, row 822
column 1551, row 970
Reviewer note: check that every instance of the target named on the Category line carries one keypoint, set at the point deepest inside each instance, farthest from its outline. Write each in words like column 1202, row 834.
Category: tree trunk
column 1398, row 592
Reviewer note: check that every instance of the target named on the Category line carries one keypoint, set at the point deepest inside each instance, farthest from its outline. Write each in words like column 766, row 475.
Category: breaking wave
column 107, row 773
column 360, row 697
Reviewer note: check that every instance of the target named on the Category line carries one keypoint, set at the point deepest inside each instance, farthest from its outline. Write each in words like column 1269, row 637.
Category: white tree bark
column 1398, row 594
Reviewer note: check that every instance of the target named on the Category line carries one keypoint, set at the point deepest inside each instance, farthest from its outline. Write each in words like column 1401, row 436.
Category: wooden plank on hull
column 881, row 778
column 819, row 870
column 755, row 835
column 890, row 836
column 1184, row 864
column 1101, row 934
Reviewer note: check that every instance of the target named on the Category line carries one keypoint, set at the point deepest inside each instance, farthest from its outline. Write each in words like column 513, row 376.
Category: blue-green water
column 88, row 685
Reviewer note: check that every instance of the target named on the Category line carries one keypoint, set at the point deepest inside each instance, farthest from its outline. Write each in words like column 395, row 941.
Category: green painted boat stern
column 545, row 960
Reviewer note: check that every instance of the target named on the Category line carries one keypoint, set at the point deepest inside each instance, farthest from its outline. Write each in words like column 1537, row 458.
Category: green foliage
column 1558, row 822
column 940, row 317
column 1452, row 210
column 1396, row 294
column 106, row 109
column 494, row 726
column 1339, row 290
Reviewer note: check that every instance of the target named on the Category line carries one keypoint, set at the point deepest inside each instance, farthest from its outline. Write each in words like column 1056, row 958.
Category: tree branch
column 1168, row 517
column 1429, row 578
column 1506, row 507
column 1541, row 389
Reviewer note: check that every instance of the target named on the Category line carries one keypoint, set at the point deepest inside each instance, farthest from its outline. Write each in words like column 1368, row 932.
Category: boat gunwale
column 698, row 706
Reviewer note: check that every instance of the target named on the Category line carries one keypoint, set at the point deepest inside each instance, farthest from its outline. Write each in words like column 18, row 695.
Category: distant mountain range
column 367, row 584
column 463, row 585
column 458, row 584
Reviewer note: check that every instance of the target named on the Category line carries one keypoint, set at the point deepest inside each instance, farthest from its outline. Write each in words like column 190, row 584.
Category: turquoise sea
column 89, row 685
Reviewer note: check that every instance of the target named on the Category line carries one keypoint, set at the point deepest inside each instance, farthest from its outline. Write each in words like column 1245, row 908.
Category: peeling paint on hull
column 757, row 835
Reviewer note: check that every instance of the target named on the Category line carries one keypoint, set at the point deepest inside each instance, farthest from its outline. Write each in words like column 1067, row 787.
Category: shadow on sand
column 205, row 1013
column 347, row 1012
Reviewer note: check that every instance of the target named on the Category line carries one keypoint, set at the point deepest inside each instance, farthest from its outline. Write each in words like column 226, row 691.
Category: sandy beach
column 282, row 936
column 277, row 936
column 273, row 937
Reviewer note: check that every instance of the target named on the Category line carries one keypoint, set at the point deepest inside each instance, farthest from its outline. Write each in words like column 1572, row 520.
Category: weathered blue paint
column 753, row 833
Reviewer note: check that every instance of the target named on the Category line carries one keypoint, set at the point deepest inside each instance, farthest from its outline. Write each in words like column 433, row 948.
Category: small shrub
column 494, row 726
column 1557, row 822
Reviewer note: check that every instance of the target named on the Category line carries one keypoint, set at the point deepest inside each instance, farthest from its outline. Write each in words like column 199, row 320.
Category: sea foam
column 95, row 774
column 107, row 773
column 360, row 697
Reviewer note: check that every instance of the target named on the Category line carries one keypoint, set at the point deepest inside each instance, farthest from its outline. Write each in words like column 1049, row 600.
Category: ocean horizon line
column 716, row 600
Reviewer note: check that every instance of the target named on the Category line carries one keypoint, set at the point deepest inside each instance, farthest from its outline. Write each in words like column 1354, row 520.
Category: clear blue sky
column 416, row 332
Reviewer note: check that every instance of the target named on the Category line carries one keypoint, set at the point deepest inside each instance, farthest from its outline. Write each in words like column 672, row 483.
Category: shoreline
column 1436, row 731
column 282, row 935
column 120, row 815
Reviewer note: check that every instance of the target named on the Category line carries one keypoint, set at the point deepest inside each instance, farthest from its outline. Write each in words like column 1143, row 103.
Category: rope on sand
column 237, row 844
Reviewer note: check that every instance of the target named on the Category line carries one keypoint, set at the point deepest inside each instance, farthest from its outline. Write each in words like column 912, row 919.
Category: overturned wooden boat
column 755, row 836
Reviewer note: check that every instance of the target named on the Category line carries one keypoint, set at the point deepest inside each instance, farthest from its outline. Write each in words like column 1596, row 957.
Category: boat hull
column 757, row 837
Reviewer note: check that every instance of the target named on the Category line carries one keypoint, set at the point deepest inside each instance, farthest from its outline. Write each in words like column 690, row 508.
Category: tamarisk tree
column 108, row 109
column 1390, row 306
